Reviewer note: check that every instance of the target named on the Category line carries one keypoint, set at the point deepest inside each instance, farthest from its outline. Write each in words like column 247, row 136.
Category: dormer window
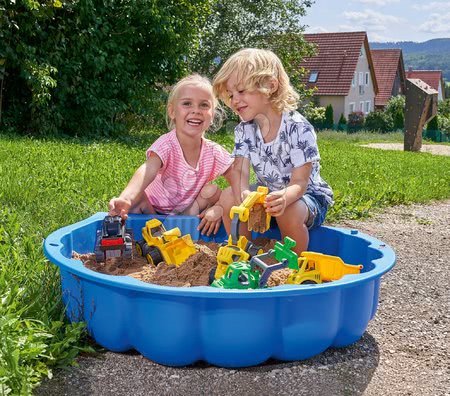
column 313, row 76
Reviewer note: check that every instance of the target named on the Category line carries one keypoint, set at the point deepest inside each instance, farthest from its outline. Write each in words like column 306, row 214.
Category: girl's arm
column 143, row 176
column 277, row 201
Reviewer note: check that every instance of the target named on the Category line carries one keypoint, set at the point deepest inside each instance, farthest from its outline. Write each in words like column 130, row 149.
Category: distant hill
column 429, row 55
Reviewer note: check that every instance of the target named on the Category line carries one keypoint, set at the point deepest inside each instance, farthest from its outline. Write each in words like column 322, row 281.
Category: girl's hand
column 211, row 219
column 275, row 203
column 119, row 207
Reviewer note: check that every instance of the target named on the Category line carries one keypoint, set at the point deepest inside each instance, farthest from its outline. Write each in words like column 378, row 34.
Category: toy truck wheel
column 253, row 250
column 100, row 256
column 153, row 256
column 142, row 248
column 308, row 282
column 212, row 274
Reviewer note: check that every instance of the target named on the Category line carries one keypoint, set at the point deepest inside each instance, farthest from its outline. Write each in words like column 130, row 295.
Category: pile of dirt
column 193, row 272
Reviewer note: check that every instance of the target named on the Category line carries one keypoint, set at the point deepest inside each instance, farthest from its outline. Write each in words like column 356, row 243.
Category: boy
column 279, row 143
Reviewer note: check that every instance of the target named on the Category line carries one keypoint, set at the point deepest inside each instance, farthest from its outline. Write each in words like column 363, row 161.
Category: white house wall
column 366, row 94
column 338, row 103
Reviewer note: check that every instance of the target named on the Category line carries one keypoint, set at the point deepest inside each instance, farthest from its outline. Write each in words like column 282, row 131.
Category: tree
column 329, row 117
column 269, row 24
column 342, row 122
column 78, row 65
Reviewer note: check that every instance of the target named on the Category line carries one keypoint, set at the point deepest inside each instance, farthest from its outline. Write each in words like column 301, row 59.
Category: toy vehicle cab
column 113, row 239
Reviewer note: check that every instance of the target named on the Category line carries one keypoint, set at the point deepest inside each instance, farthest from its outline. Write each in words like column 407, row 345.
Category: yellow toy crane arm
column 242, row 213
column 255, row 197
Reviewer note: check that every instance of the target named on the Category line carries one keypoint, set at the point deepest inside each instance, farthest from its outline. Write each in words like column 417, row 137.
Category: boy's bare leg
column 297, row 229
column 227, row 202
column 208, row 196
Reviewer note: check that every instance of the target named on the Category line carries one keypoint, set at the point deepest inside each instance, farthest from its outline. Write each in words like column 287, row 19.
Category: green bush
column 315, row 115
column 342, row 122
column 433, row 124
column 329, row 117
column 395, row 108
column 399, row 120
column 78, row 66
column 355, row 121
column 379, row 121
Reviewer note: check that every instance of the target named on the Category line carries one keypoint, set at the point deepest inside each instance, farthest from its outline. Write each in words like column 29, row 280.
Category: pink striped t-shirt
column 177, row 184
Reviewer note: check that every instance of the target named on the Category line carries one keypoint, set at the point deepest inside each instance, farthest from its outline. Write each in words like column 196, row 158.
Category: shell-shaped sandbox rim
column 230, row 328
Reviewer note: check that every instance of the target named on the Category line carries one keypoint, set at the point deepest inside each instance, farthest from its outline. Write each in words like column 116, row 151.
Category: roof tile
column 386, row 63
column 431, row 77
column 336, row 60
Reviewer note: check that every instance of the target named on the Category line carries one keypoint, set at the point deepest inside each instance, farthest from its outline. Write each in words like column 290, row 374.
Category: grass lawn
column 50, row 183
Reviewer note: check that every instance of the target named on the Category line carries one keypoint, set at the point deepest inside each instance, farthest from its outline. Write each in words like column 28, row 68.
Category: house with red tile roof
column 432, row 77
column 390, row 74
column 342, row 72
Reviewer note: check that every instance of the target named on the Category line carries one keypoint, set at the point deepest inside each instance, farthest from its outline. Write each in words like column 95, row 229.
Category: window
column 354, row 79
column 367, row 107
column 361, row 106
column 361, row 78
column 361, row 53
column 352, row 107
column 313, row 76
column 367, row 78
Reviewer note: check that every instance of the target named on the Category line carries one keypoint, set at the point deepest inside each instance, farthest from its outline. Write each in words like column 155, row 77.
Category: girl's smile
column 192, row 111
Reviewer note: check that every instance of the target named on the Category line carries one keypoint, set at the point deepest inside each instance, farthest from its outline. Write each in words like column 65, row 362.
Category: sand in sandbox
column 193, row 272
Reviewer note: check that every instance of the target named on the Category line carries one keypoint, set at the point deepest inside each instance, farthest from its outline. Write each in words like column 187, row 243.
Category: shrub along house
column 342, row 72
column 390, row 74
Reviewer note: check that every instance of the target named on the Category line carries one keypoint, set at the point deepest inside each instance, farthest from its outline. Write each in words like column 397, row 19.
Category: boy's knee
column 297, row 210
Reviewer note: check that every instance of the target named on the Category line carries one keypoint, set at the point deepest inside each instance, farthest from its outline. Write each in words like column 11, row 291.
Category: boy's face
column 192, row 110
column 248, row 104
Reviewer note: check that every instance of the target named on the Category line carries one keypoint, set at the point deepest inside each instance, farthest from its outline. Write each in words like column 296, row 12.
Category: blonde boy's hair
column 255, row 68
column 194, row 80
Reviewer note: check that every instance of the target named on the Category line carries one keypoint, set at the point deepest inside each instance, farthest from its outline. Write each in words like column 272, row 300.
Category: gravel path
column 405, row 350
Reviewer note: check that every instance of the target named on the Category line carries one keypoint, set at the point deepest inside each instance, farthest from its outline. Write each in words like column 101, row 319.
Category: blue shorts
column 317, row 208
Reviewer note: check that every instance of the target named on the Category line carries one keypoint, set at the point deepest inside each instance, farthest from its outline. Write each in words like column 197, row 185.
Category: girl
column 181, row 163
column 278, row 142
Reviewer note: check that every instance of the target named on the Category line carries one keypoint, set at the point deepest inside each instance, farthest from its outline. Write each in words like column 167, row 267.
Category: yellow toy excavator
column 239, row 248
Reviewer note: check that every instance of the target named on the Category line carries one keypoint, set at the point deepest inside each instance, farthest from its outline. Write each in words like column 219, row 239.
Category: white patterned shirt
column 273, row 162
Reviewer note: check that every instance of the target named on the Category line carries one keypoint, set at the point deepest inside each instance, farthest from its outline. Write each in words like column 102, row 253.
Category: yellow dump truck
column 317, row 268
column 160, row 245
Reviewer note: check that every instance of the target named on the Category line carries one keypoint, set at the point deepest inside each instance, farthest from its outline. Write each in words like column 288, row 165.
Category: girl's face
column 192, row 110
column 247, row 104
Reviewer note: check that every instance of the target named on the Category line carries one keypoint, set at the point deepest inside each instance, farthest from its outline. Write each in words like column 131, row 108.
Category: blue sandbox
column 177, row 326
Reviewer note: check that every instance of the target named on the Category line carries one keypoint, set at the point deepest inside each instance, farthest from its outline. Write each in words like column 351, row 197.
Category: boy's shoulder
column 294, row 116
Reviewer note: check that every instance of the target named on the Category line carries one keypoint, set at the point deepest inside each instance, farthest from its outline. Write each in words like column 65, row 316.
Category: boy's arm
column 143, row 176
column 277, row 201
column 238, row 176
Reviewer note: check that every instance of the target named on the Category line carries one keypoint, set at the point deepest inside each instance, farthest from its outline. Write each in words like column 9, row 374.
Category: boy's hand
column 211, row 219
column 245, row 194
column 275, row 203
column 119, row 207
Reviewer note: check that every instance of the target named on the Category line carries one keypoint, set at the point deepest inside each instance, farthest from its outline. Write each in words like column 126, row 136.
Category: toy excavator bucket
column 252, row 211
